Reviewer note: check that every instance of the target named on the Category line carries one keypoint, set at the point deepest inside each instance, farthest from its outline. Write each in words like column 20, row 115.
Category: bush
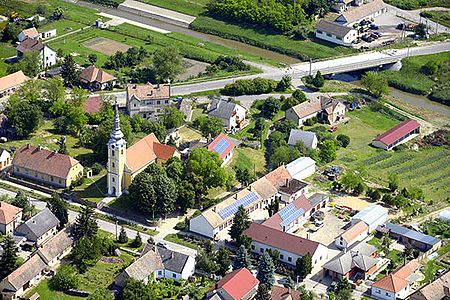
column 65, row 278
column 441, row 94
column 96, row 168
column 311, row 122
column 344, row 140
column 254, row 86
column 227, row 63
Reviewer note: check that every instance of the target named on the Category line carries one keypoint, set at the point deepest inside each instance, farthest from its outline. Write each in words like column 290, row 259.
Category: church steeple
column 116, row 157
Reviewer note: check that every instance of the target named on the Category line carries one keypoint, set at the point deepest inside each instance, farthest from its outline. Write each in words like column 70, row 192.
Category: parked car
column 374, row 36
column 178, row 99
column 378, row 34
column 333, row 128
column 374, row 26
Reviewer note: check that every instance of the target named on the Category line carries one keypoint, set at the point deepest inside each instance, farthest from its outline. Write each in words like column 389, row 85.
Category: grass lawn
column 191, row 7
column 445, row 249
column 428, row 168
column 336, row 86
column 6, row 50
column 250, row 158
column 174, row 238
column 429, row 271
column 189, row 134
column 439, row 16
column 375, row 242
column 395, row 256
column 94, row 188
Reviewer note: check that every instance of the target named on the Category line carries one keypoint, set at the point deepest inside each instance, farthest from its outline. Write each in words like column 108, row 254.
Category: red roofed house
column 148, row 100
column 223, row 146
column 93, row 104
column 397, row 284
column 291, row 247
column 125, row 164
column 237, row 285
column 10, row 83
column 10, row 218
column 46, row 167
column 291, row 216
column 397, row 135
column 282, row 293
column 355, row 233
column 96, row 79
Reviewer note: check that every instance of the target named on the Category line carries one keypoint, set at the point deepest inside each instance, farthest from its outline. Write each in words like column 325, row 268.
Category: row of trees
column 256, row 86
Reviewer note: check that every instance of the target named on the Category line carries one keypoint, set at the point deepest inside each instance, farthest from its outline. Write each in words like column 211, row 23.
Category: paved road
column 107, row 226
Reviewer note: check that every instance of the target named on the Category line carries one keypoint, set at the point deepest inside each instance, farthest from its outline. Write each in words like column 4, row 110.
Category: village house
column 343, row 5
column 284, row 293
column 40, row 227
column 396, row 285
column 397, row 135
column 223, row 146
column 10, row 218
column 46, row 167
column 46, row 55
column 232, row 114
column 56, row 248
column 367, row 11
column 31, row 33
column 291, row 247
column 356, row 263
column 335, row 33
column 308, row 138
column 438, row 289
column 147, row 100
column 185, row 107
column 125, row 164
column 23, row 278
column 327, row 109
column 5, row 159
column 158, row 262
column 301, row 168
column 373, row 215
column 292, row 190
column 10, row 83
column 237, row 285
column 96, row 79
column 93, row 104
column 356, row 233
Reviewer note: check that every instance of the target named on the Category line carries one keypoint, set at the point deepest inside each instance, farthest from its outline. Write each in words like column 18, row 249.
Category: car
column 178, row 99
column 440, row 272
column 332, row 128
column 374, row 26
column 400, row 26
column 374, row 36
column 318, row 223
column 162, row 245
column 377, row 34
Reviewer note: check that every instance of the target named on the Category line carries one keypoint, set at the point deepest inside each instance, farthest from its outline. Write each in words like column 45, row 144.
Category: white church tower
column 117, row 147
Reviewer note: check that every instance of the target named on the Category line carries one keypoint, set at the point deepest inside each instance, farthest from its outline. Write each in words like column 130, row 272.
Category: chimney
column 214, row 209
column 28, row 146
column 236, row 196
column 249, row 188
column 287, row 182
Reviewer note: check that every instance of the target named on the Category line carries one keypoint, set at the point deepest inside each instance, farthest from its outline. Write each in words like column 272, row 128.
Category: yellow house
column 46, row 167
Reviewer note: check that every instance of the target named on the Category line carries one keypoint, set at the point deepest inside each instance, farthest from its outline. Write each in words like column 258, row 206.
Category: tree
column 374, row 194
column 408, row 252
column 85, row 224
column 10, row 32
column 263, row 293
column 136, row 289
column 167, row 63
column 204, row 171
column 359, row 189
column 22, row 201
column 274, row 206
column 284, row 155
column 284, row 84
column 266, row 270
column 59, row 208
column 223, row 260
column 69, row 71
column 165, row 192
column 344, row 140
column 318, row 80
column 343, row 290
column 421, row 30
column 205, row 262
column 270, row 107
column 385, row 243
column 123, row 238
column 242, row 259
column 394, row 182
column 172, row 117
column 137, row 242
column 41, row 9
column 65, row 279
column 24, row 117
column 92, row 58
column 30, row 64
column 375, row 83
column 431, row 68
column 210, row 127
column 241, row 221
column 8, row 260
column 156, row 127
column 58, row 13
column 303, row 266
column 296, row 98
column 101, row 294
column 328, row 151
column 142, row 193
column 244, row 175
column 54, row 90
column 289, row 283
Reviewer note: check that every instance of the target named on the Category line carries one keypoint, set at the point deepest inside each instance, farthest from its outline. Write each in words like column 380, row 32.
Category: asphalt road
column 108, row 226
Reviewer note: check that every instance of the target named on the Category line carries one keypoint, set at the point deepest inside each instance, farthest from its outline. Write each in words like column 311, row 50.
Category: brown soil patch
column 106, row 46
column 353, row 202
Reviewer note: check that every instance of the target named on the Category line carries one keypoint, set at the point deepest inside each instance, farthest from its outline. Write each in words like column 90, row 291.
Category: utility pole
column 310, row 67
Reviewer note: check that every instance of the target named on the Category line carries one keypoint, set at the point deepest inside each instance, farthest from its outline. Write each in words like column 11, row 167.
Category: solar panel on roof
column 233, row 207
column 294, row 215
column 284, row 213
column 221, row 146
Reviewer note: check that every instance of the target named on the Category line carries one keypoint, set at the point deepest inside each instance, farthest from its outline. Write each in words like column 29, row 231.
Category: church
column 125, row 164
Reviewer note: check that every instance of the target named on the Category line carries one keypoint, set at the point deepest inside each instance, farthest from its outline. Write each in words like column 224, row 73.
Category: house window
column 159, row 273
column 329, row 34
column 134, row 105
column 158, row 102
column 261, row 250
column 167, row 101
column 289, row 259
column 113, row 165
column 113, row 179
column 319, row 32
column 378, row 291
column 339, row 38
column 112, row 152
column 51, row 178
column 253, row 247
column 281, row 256
column 174, row 275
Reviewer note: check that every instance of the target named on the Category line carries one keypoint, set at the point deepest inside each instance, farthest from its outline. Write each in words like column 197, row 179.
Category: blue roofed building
column 373, row 215
column 423, row 242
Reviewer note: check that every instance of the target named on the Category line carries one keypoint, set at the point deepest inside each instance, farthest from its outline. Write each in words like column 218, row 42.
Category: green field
column 190, row 7
column 428, row 168
column 416, row 4
column 439, row 16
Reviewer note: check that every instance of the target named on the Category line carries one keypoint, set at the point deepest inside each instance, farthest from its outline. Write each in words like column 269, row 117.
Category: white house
column 301, row 168
column 327, row 109
column 223, row 146
column 335, row 33
column 367, row 11
column 48, row 34
column 40, row 227
column 46, row 55
column 352, row 235
column 373, row 215
column 308, row 138
column 31, row 33
column 10, row 218
column 5, row 159
column 399, row 134
column 56, row 248
column 291, row 247
column 232, row 114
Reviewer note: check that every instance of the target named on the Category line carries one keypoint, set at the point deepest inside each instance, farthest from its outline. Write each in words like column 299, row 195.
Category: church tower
column 116, row 157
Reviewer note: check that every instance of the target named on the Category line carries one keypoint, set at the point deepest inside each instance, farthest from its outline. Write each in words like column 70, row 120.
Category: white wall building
column 373, row 215
column 335, row 33
column 301, row 168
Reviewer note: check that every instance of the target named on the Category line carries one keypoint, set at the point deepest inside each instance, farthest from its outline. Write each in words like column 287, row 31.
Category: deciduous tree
column 59, row 208
column 328, row 151
column 167, row 63
column 69, row 71
column 375, row 83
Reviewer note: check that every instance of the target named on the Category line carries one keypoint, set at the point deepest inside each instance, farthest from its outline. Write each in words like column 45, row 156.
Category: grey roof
column 221, row 108
column 371, row 213
column 317, row 198
column 307, row 137
column 358, row 256
column 39, row 224
column 145, row 265
column 333, row 28
column 172, row 260
column 186, row 107
column 412, row 234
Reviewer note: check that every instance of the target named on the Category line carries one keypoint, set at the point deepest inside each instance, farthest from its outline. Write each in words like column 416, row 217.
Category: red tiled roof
column 282, row 293
column 355, row 230
column 163, row 152
column 44, row 161
column 8, row 212
column 94, row 74
column 281, row 240
column 279, row 176
column 93, row 104
column 237, row 283
column 30, row 32
column 275, row 221
column 398, row 131
column 217, row 140
column 397, row 280
column 148, row 91
column 12, row 80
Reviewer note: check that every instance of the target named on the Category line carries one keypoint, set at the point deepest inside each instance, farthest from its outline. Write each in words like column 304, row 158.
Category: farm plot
column 106, row 46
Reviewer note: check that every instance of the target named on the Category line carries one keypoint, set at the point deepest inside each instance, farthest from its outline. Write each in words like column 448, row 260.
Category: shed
column 373, row 215
column 308, row 138
column 444, row 215
column 301, row 168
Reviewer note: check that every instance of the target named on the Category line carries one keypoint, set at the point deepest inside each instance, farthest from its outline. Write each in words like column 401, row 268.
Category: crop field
column 106, row 46
column 428, row 168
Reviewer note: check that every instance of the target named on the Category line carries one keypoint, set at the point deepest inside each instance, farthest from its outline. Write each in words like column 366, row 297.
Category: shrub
column 344, row 140
column 66, row 278
column 310, row 122
column 96, row 168
column 254, row 86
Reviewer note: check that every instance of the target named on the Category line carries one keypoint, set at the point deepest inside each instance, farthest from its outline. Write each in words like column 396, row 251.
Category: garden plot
column 106, row 46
